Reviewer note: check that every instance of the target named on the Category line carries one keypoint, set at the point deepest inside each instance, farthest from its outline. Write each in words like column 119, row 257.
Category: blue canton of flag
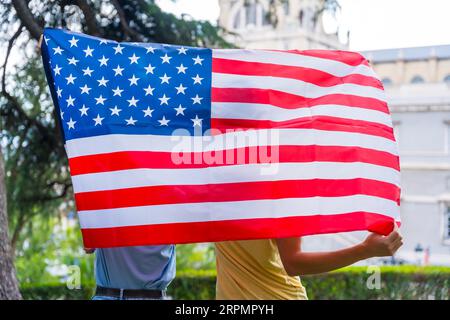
column 106, row 87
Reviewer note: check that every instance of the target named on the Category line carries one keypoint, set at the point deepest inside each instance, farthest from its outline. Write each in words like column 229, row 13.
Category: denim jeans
column 98, row 297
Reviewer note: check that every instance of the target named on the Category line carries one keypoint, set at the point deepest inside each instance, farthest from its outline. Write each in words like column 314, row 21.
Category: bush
column 399, row 282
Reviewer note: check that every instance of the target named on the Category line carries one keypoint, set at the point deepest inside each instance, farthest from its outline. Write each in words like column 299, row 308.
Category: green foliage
column 37, row 176
column 52, row 246
column 195, row 257
column 397, row 282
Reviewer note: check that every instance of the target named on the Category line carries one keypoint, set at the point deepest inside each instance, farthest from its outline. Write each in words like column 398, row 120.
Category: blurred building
column 417, row 82
column 299, row 25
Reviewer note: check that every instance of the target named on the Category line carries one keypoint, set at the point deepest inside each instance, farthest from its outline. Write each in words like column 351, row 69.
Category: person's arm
column 297, row 262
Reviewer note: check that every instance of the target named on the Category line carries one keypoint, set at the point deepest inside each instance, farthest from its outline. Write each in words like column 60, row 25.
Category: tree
column 35, row 158
column 37, row 176
column 9, row 288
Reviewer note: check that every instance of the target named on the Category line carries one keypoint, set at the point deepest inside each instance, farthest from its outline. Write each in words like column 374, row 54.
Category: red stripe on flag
column 265, row 228
column 292, row 101
column 163, row 160
column 242, row 191
column 351, row 58
column 317, row 77
column 314, row 122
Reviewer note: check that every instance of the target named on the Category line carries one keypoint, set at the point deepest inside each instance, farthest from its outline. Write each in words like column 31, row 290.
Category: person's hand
column 381, row 246
column 89, row 250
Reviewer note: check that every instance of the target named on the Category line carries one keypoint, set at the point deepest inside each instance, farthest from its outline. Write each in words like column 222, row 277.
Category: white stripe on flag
column 293, row 86
column 294, row 137
column 333, row 67
column 252, row 111
column 229, row 210
column 233, row 173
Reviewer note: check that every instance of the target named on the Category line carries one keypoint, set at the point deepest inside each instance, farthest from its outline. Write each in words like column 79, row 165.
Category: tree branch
column 123, row 22
column 21, row 221
column 27, row 18
column 42, row 129
column 63, row 193
column 8, row 51
column 89, row 17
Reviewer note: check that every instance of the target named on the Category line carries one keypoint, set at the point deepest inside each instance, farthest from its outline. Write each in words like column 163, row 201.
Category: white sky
column 374, row 24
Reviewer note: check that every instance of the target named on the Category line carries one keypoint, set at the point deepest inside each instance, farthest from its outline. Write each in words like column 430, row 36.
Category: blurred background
column 406, row 41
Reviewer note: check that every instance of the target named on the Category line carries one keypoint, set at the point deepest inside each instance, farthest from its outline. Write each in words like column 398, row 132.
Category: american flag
column 176, row 144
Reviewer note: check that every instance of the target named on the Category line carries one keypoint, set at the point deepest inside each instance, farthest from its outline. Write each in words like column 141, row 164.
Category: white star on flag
column 197, row 121
column 181, row 69
column 182, row 50
column 85, row 89
column 197, row 79
column 118, row 70
column 88, row 52
column 165, row 79
column 149, row 69
column 130, row 121
column 71, row 124
column 98, row 120
column 87, row 72
column 70, row 101
column 102, row 82
column 100, row 100
column 166, row 59
column 118, row 49
column 73, row 42
column 148, row 112
column 73, row 61
column 133, row 59
column 117, row 91
column 164, row 100
column 59, row 51
column 196, row 99
column 132, row 102
column 133, row 80
column 149, row 90
column 83, row 110
column 180, row 89
column 70, row 79
column 57, row 70
column 103, row 61
column 198, row 60
column 163, row 121
column 180, row 110
column 115, row 111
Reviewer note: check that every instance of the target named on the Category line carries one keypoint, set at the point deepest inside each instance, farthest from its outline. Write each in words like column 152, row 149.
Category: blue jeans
column 98, row 297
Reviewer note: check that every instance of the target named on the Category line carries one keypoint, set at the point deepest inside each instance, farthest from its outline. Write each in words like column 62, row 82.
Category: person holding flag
column 269, row 269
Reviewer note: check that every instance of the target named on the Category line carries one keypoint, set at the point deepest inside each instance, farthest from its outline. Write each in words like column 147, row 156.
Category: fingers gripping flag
column 174, row 144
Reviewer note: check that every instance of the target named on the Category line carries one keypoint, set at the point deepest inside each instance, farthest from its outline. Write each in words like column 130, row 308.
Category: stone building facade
column 417, row 83
column 299, row 25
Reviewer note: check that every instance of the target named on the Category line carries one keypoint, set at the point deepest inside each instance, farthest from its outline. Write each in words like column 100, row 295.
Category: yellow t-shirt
column 253, row 269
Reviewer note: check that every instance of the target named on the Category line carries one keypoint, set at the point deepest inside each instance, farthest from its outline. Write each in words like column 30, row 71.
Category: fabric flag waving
column 173, row 144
